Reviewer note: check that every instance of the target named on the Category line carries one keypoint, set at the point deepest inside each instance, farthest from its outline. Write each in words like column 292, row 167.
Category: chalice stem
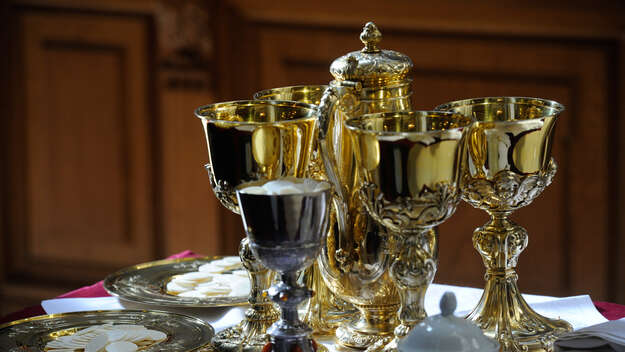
column 502, row 312
column 413, row 271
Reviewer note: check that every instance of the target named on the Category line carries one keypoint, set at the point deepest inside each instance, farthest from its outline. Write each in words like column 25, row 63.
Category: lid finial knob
column 448, row 304
column 370, row 37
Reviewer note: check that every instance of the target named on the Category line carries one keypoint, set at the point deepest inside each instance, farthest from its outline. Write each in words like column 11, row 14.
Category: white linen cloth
column 606, row 335
column 577, row 310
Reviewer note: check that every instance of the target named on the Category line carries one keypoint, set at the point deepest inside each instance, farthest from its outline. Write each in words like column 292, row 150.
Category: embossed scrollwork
column 507, row 190
column 431, row 207
column 223, row 190
column 413, row 271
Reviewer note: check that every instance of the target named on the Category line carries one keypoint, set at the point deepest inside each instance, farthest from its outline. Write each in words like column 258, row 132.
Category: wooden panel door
column 80, row 189
column 572, row 238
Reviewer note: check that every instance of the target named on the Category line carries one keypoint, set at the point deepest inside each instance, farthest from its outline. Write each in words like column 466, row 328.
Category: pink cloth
column 610, row 311
column 97, row 289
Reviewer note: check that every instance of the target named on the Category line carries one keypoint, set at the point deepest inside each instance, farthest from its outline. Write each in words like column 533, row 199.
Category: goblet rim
column 327, row 187
column 351, row 123
column 261, row 93
column 558, row 107
column 200, row 111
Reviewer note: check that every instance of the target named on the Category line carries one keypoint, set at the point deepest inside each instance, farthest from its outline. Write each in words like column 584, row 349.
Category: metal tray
column 145, row 284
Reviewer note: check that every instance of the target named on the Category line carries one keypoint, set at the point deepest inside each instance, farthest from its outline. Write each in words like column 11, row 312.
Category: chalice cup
column 508, row 165
column 286, row 233
column 251, row 140
column 325, row 310
column 409, row 168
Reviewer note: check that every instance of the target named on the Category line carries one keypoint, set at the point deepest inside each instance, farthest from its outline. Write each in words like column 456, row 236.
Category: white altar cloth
column 577, row 310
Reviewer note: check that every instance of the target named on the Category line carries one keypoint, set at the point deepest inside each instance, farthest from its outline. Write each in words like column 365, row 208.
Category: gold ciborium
column 508, row 165
column 253, row 140
column 325, row 310
column 409, row 164
column 355, row 261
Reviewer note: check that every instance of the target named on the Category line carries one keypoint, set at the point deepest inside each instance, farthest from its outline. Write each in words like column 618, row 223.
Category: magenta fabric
column 610, row 311
column 97, row 289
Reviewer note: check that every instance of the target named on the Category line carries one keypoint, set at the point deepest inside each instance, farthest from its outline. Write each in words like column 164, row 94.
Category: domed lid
column 446, row 332
column 371, row 66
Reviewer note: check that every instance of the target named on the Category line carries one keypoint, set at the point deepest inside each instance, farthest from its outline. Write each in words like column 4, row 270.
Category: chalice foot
column 502, row 313
column 373, row 328
column 250, row 335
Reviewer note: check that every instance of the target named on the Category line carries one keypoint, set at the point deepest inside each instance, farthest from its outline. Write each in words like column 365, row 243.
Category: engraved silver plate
column 184, row 333
column 145, row 284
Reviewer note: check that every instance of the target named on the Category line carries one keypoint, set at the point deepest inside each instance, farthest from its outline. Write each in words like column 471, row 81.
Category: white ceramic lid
column 446, row 333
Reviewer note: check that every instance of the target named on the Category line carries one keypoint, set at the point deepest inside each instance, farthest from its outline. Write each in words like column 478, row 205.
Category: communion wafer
column 121, row 346
column 98, row 338
column 241, row 273
column 210, row 268
column 97, row 343
column 173, row 287
column 195, row 294
column 196, row 276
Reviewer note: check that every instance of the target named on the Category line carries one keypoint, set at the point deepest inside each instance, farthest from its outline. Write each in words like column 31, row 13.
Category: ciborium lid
column 447, row 333
column 371, row 66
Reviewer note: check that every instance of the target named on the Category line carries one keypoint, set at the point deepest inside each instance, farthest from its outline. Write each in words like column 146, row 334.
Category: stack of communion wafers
column 107, row 338
column 216, row 278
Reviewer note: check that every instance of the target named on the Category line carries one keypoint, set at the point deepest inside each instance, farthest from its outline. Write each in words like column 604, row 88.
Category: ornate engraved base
column 502, row 313
column 375, row 327
column 250, row 335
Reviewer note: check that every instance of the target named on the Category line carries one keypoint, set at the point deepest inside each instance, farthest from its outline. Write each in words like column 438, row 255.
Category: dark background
column 102, row 157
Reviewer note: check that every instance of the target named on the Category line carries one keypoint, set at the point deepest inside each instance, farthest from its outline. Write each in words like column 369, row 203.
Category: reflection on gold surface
column 325, row 310
column 409, row 167
column 253, row 140
column 508, row 165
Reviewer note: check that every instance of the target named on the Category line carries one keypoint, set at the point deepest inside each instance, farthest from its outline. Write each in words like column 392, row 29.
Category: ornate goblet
column 325, row 309
column 508, row 165
column 254, row 140
column 409, row 165
column 286, row 233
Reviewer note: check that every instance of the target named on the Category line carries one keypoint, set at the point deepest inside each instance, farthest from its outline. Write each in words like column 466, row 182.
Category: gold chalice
column 325, row 310
column 409, row 168
column 253, row 140
column 508, row 165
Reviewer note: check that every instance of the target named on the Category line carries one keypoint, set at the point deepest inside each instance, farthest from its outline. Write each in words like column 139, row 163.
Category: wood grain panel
column 571, row 225
column 191, row 209
column 85, row 204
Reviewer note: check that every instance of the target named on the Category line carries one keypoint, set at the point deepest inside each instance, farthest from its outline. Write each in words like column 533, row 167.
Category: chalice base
column 250, row 335
column 374, row 327
column 503, row 314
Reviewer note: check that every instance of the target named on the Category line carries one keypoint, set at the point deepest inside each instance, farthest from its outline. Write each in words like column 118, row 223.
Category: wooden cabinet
column 102, row 157
column 80, row 186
